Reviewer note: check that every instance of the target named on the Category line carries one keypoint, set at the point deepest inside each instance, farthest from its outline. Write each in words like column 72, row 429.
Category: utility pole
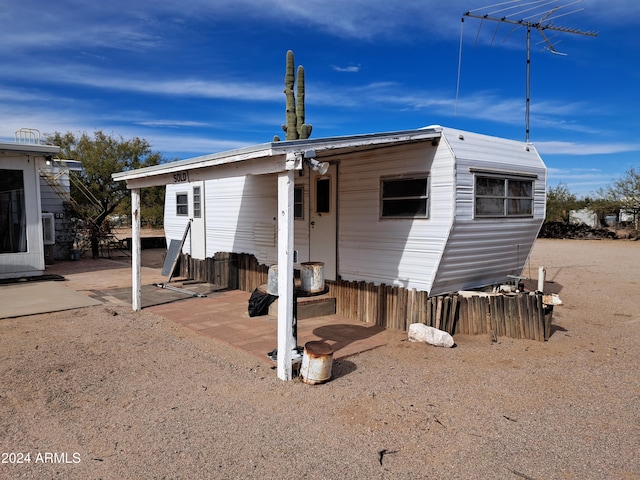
column 543, row 23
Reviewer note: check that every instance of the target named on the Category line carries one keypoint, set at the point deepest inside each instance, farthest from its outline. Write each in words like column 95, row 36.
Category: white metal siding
column 402, row 252
column 485, row 251
column 238, row 211
column 448, row 251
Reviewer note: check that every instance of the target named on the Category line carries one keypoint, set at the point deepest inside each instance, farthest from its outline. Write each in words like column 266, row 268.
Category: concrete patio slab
column 22, row 299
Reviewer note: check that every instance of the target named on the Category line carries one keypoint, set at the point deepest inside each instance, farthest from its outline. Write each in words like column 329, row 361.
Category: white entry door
column 198, row 232
column 323, row 220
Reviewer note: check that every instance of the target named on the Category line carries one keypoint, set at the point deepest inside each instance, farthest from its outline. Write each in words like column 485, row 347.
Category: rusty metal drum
column 317, row 360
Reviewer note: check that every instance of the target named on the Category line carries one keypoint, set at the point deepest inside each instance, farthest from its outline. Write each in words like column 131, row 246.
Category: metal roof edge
column 280, row 148
column 28, row 148
column 329, row 143
column 220, row 158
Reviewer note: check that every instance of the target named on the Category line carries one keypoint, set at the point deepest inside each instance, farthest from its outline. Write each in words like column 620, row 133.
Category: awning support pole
column 286, row 338
column 136, row 264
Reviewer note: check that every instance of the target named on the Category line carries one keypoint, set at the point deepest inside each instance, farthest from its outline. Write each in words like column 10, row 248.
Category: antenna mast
column 539, row 17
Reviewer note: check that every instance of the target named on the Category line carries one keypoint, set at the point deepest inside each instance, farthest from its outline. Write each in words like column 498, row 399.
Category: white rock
column 419, row 332
column 551, row 299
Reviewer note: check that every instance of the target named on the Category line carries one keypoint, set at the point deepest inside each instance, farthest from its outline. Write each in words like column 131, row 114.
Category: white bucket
column 317, row 360
column 312, row 277
column 272, row 280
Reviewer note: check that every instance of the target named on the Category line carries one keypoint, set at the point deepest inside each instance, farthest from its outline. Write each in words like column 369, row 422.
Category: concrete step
column 309, row 307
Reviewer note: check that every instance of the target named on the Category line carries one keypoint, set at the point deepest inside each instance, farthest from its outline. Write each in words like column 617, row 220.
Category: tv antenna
column 539, row 15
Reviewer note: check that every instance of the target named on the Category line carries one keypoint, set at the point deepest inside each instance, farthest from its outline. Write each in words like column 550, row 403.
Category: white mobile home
column 22, row 240
column 436, row 209
column 425, row 211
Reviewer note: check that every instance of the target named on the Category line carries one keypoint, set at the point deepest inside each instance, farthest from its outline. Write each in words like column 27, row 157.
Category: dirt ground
column 103, row 392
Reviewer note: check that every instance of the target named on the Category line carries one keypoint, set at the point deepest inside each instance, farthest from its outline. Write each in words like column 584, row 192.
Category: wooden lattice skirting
column 517, row 315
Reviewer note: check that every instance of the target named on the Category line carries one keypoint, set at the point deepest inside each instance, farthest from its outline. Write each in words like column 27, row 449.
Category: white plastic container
column 312, row 277
column 272, row 280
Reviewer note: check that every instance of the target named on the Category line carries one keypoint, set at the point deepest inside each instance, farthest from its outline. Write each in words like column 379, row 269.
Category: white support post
column 136, row 267
column 541, row 278
column 286, row 340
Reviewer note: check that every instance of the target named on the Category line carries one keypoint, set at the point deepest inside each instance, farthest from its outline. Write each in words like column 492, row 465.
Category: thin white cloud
column 577, row 148
column 192, row 145
column 171, row 123
column 188, row 87
column 349, row 69
column 580, row 181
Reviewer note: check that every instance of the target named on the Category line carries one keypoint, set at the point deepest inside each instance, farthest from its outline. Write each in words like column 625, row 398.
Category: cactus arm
column 289, row 80
column 300, row 101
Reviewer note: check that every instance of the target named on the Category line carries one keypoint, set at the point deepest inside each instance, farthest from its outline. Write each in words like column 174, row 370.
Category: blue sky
column 200, row 76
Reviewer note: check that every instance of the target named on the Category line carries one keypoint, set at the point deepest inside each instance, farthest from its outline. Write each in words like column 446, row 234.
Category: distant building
column 34, row 185
column 584, row 215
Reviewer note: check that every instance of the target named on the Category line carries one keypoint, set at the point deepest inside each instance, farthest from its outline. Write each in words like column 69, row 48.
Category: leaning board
column 172, row 258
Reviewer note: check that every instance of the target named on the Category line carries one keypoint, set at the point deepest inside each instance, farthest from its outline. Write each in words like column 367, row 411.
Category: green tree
column 95, row 194
column 151, row 206
column 560, row 201
column 625, row 192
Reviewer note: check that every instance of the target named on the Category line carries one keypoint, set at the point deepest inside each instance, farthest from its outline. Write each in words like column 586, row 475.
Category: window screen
column 503, row 197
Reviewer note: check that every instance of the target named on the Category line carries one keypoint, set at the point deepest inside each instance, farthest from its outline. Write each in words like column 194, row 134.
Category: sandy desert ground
column 103, row 392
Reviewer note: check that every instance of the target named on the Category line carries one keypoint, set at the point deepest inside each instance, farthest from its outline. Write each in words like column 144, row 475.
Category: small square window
column 182, row 204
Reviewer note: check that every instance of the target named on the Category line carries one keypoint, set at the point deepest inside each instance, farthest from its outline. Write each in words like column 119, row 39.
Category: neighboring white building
column 434, row 209
column 584, row 215
column 22, row 243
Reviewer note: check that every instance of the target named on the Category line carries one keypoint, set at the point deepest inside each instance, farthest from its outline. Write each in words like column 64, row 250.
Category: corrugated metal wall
column 448, row 251
column 402, row 252
column 484, row 251
column 240, row 215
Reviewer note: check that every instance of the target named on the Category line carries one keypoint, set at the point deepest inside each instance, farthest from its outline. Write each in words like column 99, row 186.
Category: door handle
column 312, row 223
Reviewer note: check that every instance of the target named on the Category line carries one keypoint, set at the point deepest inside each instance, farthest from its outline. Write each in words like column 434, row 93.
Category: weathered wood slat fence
column 499, row 315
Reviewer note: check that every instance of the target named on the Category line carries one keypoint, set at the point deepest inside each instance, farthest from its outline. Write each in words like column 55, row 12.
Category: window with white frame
column 500, row 196
column 197, row 205
column 182, row 204
column 405, row 197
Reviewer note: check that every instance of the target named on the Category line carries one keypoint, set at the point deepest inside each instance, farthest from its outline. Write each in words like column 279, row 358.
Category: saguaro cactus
column 295, row 127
